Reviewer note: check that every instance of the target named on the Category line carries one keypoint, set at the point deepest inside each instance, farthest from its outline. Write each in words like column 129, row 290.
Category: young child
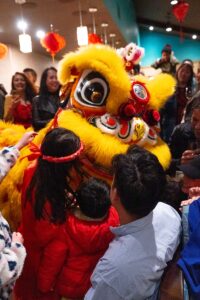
column 12, row 251
column 48, row 190
column 87, row 236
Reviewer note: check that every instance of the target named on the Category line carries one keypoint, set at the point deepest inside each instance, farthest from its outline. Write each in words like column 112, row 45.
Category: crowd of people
column 30, row 105
column 79, row 238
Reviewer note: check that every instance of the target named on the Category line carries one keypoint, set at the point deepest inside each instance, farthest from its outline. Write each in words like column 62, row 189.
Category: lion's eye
column 92, row 89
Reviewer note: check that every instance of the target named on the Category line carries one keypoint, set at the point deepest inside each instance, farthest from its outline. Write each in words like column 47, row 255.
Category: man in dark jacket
column 167, row 63
column 185, row 141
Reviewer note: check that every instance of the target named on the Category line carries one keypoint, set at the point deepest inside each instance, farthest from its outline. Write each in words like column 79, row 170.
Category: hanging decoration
column 180, row 11
column 3, row 50
column 25, row 42
column 82, row 35
column 112, row 38
column 81, row 31
column 105, row 38
column 53, row 42
column 93, row 38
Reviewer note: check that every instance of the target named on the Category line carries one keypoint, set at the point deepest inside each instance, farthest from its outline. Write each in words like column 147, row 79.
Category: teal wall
column 153, row 43
column 123, row 13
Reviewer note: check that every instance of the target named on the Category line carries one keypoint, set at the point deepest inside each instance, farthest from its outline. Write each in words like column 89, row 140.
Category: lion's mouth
column 132, row 131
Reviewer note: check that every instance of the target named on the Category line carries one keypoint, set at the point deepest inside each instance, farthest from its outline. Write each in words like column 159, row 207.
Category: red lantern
column 53, row 43
column 3, row 50
column 180, row 10
column 94, row 38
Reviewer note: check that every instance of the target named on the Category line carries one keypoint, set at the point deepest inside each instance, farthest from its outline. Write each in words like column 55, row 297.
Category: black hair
column 187, row 62
column 52, row 181
column 43, row 86
column 30, row 91
column 172, row 195
column 93, row 198
column 30, row 70
column 167, row 49
column 136, row 69
column 139, row 179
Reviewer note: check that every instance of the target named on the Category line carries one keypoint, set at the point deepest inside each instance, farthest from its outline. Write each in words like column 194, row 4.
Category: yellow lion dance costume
column 107, row 109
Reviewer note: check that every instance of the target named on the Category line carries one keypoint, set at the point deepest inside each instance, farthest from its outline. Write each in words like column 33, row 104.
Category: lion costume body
column 107, row 109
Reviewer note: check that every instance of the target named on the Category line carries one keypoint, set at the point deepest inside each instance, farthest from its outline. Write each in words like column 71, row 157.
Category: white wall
column 17, row 61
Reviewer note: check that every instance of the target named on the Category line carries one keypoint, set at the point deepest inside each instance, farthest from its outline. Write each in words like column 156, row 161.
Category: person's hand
column 16, row 99
column 17, row 238
column 194, row 194
column 26, row 138
column 188, row 202
column 187, row 156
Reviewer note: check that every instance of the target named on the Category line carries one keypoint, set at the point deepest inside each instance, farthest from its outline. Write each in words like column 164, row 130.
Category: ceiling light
column 151, row 28
column 40, row 34
column 92, row 9
column 82, row 35
column 20, row 1
column 22, row 25
column 168, row 28
column 173, row 2
column 104, row 25
column 112, row 35
column 194, row 36
column 25, row 43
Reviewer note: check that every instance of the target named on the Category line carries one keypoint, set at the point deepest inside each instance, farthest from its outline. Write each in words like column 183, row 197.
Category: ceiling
column 157, row 12
column 63, row 14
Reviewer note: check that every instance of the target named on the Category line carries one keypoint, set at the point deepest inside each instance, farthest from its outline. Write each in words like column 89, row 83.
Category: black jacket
column 194, row 102
column 181, row 140
column 44, row 109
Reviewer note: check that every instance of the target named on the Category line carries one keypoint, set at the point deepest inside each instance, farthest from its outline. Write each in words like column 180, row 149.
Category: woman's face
column 19, row 83
column 184, row 74
column 52, row 81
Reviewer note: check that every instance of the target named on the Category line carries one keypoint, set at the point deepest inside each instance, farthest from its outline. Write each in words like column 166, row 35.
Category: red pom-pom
column 128, row 65
column 129, row 110
column 156, row 115
column 151, row 117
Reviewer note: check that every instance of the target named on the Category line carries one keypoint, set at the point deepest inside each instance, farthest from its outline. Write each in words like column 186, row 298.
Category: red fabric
column 76, row 246
column 86, row 243
column 38, row 235
column 22, row 114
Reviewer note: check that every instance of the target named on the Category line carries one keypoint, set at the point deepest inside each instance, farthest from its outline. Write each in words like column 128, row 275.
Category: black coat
column 44, row 109
column 181, row 140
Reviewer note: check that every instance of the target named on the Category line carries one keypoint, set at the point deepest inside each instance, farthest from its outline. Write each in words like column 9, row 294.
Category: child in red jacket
column 48, row 190
column 87, row 237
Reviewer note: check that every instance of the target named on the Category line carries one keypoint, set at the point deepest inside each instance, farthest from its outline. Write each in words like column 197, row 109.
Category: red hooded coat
column 60, row 258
